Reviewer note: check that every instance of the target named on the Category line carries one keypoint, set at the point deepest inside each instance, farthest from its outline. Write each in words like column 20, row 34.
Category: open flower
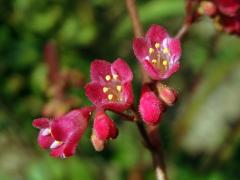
column 110, row 86
column 158, row 53
column 103, row 130
column 62, row 134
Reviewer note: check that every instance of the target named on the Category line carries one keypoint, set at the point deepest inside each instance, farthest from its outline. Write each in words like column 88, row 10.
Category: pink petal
column 41, row 123
column 95, row 93
column 72, row 143
column 175, row 48
column 63, row 127
column 58, row 152
column 152, row 72
column 128, row 94
column 172, row 70
column 156, row 34
column 44, row 141
column 140, row 49
column 99, row 69
column 122, row 69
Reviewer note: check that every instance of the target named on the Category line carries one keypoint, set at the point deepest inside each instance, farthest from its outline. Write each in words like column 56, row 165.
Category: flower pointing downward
column 62, row 134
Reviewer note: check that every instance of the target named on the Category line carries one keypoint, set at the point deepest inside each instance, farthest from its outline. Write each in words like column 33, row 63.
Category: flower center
column 113, row 88
column 159, row 57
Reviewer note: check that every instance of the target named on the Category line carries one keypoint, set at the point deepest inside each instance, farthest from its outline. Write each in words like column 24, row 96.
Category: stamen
column 119, row 88
column 157, row 45
column 56, row 144
column 154, row 61
column 151, row 50
column 108, row 77
column 165, row 50
column 110, row 96
column 105, row 89
column 115, row 76
column 165, row 62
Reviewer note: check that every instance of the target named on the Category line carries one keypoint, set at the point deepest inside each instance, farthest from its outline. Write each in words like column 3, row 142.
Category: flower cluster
column 226, row 14
column 110, row 89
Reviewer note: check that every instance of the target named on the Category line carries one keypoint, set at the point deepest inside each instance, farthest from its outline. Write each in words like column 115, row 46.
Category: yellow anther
column 119, row 88
column 165, row 50
column 151, row 50
column 108, row 77
column 154, row 61
column 165, row 62
column 105, row 89
column 115, row 76
column 110, row 96
column 157, row 45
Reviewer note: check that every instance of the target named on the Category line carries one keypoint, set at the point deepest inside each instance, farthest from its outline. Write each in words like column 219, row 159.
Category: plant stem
column 150, row 136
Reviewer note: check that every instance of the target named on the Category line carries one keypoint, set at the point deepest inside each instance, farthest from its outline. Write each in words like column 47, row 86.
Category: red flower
column 158, row 53
column 226, row 14
column 103, row 129
column 228, row 7
column 150, row 107
column 110, row 86
column 62, row 134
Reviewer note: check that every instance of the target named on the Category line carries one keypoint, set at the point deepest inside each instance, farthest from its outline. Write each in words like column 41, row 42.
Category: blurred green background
column 201, row 133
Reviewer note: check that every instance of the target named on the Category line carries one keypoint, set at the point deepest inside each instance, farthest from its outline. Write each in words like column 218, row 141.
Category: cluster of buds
column 110, row 89
column 226, row 14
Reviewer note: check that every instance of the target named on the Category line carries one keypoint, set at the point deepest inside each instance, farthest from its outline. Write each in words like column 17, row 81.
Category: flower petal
column 44, row 141
column 152, row 72
column 95, row 93
column 172, row 70
column 175, row 48
column 121, row 68
column 41, row 123
column 99, row 69
column 156, row 34
column 63, row 127
column 140, row 49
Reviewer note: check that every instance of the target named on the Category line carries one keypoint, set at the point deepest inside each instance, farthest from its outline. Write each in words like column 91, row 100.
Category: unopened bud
column 207, row 8
column 167, row 94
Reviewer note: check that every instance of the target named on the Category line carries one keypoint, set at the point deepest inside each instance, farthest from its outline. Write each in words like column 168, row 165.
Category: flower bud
column 167, row 94
column 207, row 8
column 103, row 129
column 150, row 107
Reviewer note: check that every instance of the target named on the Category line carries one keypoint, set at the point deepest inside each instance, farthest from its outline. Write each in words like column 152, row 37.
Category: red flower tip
column 150, row 107
column 166, row 94
column 110, row 86
column 62, row 134
column 158, row 53
column 103, row 130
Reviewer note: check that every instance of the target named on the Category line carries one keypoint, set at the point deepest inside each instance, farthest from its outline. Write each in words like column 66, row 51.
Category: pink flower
column 158, row 53
column 62, row 134
column 110, row 86
column 150, row 107
column 228, row 7
column 103, row 129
